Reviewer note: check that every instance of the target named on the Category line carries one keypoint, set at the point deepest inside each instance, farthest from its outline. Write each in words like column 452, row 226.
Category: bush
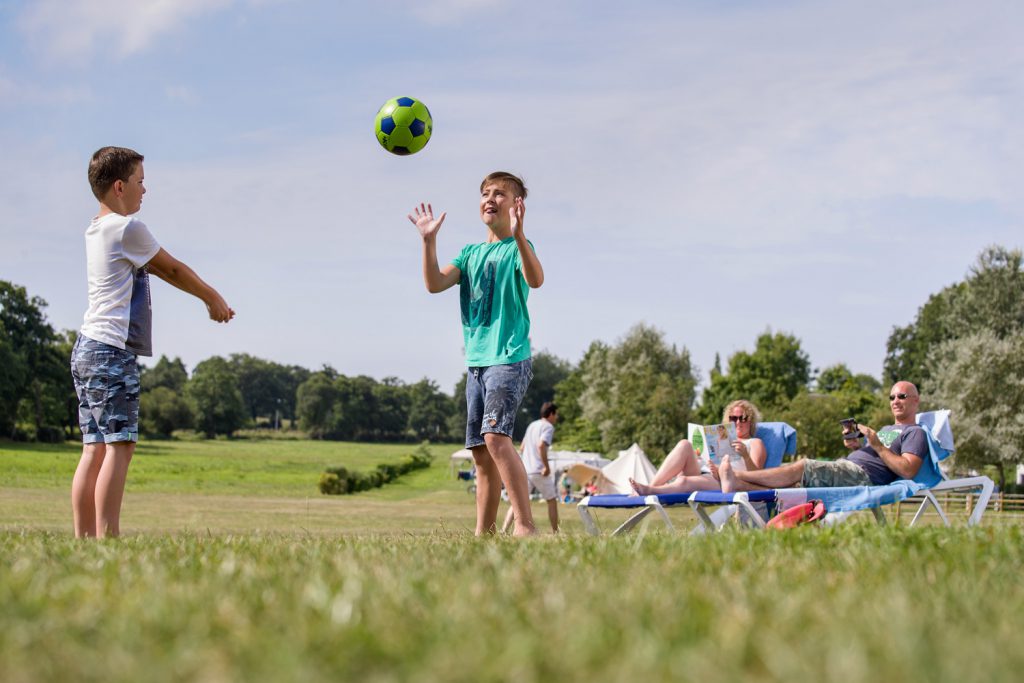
column 339, row 480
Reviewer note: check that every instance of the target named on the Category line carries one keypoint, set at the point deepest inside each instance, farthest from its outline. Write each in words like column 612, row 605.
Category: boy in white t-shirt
column 120, row 254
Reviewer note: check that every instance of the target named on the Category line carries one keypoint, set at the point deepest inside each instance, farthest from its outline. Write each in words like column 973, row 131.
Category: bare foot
column 640, row 489
column 727, row 476
column 524, row 530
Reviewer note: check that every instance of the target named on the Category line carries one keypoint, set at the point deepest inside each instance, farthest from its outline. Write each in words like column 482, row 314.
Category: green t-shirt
column 493, row 293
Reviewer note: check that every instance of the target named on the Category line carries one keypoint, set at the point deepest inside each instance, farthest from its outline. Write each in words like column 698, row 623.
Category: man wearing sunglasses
column 894, row 452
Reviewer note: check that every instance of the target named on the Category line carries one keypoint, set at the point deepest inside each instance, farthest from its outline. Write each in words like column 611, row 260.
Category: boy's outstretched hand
column 423, row 218
column 220, row 311
column 516, row 213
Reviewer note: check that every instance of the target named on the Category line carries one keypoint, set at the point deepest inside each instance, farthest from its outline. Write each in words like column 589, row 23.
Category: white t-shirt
column 539, row 430
column 117, row 248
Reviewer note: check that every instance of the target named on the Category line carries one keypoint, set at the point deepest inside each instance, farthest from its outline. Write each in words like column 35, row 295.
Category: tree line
column 964, row 350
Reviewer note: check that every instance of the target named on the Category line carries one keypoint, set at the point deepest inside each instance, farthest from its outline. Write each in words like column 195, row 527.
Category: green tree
column 457, row 419
column 266, row 387
column 575, row 430
column 429, row 410
column 641, row 391
column 35, row 381
column 391, row 414
column 548, row 371
column 316, row 399
column 162, row 410
column 908, row 347
column 980, row 378
column 990, row 298
column 994, row 296
column 167, row 373
column 839, row 378
column 216, row 399
column 770, row 376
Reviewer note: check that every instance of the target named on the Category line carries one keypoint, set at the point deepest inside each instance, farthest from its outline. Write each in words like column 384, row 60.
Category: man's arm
column 905, row 465
column 173, row 271
column 542, row 447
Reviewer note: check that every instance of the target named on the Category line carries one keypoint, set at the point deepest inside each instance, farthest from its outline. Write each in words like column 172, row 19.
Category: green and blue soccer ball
column 403, row 125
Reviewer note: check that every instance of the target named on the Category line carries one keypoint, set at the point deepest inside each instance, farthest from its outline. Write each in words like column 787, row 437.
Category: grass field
column 273, row 582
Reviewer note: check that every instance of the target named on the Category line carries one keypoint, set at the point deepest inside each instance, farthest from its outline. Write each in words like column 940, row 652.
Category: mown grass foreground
column 854, row 603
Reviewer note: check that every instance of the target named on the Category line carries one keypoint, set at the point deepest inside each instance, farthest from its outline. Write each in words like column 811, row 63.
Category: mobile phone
column 849, row 428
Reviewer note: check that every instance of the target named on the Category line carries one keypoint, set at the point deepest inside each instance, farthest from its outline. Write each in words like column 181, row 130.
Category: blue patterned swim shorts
column 107, row 385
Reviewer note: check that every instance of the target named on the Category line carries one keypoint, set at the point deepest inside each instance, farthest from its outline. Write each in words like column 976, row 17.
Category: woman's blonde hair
column 750, row 411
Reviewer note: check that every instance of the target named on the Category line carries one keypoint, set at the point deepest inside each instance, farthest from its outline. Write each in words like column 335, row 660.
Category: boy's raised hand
column 516, row 213
column 423, row 218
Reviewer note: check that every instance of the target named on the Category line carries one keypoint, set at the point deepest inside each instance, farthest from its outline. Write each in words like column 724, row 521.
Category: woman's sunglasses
column 738, row 418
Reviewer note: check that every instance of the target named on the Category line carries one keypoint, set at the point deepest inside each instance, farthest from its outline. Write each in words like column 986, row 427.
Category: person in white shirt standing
column 121, row 252
column 534, row 452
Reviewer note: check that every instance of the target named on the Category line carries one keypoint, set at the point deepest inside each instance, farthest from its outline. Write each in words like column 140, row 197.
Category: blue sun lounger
column 840, row 502
column 779, row 440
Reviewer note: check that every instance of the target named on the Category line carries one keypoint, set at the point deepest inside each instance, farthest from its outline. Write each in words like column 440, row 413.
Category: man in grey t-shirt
column 894, row 452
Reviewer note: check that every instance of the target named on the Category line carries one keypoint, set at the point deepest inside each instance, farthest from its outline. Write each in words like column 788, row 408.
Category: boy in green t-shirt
column 494, row 279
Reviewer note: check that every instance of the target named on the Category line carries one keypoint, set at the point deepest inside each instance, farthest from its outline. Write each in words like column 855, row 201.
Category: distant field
column 238, row 487
column 264, row 467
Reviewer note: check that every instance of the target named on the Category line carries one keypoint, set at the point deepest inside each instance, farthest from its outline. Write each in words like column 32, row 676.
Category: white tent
column 559, row 460
column 631, row 463
column 563, row 460
column 459, row 460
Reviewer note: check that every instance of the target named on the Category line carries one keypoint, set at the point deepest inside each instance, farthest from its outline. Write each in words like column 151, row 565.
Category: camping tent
column 563, row 460
column 558, row 460
column 461, row 459
column 614, row 476
column 631, row 463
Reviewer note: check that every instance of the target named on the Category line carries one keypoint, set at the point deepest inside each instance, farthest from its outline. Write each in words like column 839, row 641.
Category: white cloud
column 451, row 12
column 26, row 93
column 181, row 93
column 76, row 30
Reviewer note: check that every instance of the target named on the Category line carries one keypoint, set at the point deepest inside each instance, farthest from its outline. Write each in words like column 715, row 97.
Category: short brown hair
column 109, row 164
column 518, row 186
column 548, row 408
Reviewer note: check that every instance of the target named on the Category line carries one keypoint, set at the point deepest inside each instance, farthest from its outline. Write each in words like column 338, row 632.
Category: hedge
column 340, row 480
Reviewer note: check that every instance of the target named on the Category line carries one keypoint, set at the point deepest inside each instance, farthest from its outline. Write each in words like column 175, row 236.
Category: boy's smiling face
column 134, row 189
column 495, row 201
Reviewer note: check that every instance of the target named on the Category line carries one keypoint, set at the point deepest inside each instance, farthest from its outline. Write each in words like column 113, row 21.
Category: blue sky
column 714, row 169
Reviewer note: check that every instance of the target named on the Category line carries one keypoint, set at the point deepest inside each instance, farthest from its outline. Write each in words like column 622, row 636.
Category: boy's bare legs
column 780, row 477
column 513, row 473
column 488, row 490
column 680, row 460
column 83, row 489
column 110, row 487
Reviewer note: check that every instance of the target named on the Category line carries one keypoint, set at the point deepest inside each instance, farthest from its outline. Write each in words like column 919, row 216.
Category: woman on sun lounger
column 681, row 470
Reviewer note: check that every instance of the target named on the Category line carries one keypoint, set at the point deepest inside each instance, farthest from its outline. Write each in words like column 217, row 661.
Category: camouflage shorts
column 107, row 384
column 831, row 473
